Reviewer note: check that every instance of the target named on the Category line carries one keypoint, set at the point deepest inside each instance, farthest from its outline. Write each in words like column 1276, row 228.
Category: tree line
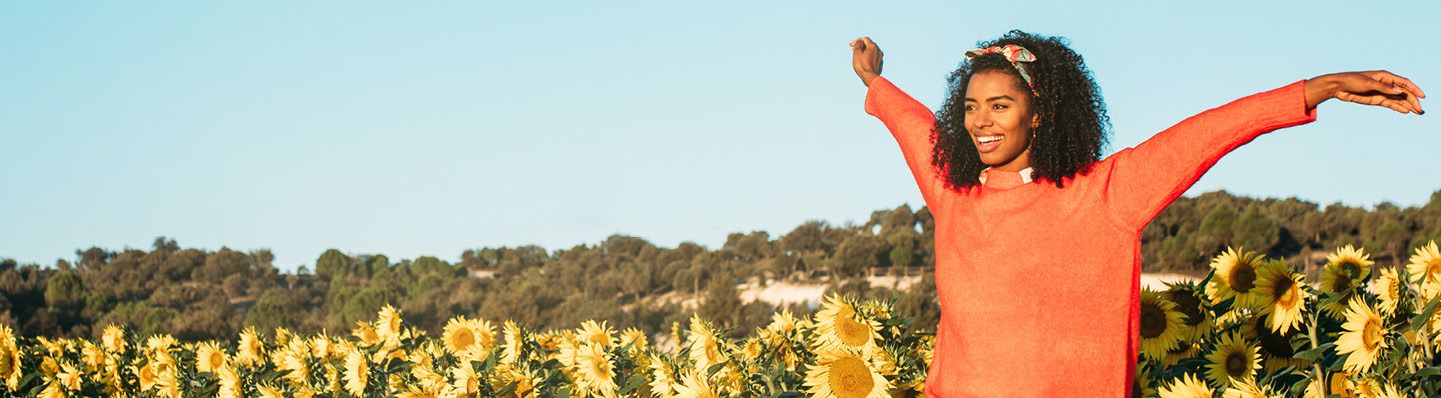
column 197, row 294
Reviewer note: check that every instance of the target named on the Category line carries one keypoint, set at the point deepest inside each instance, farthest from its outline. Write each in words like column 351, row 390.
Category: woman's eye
column 998, row 106
column 970, row 108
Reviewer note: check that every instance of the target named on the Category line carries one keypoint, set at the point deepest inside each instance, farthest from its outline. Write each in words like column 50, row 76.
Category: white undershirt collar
column 1025, row 175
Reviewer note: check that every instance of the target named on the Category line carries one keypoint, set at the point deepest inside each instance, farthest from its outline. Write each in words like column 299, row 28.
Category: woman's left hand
column 1369, row 88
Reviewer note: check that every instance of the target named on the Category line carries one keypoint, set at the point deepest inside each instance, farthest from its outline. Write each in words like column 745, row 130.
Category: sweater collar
column 1008, row 179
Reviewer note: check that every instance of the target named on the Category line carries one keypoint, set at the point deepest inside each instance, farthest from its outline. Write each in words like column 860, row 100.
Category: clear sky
column 414, row 129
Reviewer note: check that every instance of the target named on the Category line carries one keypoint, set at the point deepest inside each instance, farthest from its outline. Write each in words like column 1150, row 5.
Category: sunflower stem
column 1320, row 377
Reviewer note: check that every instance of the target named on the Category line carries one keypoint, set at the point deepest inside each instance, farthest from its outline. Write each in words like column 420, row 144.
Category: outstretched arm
column 907, row 119
column 1147, row 178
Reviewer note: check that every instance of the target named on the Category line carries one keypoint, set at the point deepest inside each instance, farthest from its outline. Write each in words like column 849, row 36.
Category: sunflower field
column 1252, row 328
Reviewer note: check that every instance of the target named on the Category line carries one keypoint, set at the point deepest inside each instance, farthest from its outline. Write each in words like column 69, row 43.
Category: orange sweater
column 1039, row 286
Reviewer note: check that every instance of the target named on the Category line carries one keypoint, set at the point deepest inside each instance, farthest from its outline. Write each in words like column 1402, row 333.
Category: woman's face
column 999, row 119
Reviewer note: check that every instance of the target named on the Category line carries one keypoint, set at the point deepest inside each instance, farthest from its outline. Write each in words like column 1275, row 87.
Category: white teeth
column 988, row 139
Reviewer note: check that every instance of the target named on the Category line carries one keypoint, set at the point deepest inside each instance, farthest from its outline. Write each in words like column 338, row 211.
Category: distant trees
column 199, row 294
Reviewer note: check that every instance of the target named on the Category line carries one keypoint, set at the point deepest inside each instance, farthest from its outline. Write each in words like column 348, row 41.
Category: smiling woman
column 1025, row 109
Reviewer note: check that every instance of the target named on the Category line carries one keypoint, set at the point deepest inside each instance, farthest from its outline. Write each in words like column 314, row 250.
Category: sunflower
column 159, row 342
column 1425, row 268
column 366, row 333
column 1232, row 359
column 357, row 371
column 594, row 371
column 295, row 357
column 1190, row 302
column 1280, row 290
column 387, row 324
column 1187, row 387
column 251, row 348
column 209, row 357
column 1363, row 338
column 1161, row 324
column 322, row 347
column 1275, row 347
column 467, row 380
column 705, row 346
column 695, row 385
column 1347, row 268
column 663, row 382
column 845, row 375
column 69, row 377
column 782, row 322
column 523, row 378
column 1388, row 288
column 841, row 327
column 635, row 338
column 9, row 358
column 1353, row 262
column 1183, row 351
column 92, row 355
column 145, row 375
column 1235, row 277
column 1142, row 384
column 229, row 383
column 1247, row 389
column 113, row 338
column 268, row 391
column 468, row 337
column 596, row 333
column 53, row 390
column 514, row 342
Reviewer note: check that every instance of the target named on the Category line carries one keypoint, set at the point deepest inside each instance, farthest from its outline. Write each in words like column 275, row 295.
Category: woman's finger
column 1377, row 100
column 1405, row 85
column 1397, row 80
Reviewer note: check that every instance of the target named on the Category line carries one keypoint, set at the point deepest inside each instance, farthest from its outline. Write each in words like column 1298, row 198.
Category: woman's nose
column 980, row 119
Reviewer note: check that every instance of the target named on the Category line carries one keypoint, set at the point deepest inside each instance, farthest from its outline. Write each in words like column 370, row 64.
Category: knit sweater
column 1039, row 286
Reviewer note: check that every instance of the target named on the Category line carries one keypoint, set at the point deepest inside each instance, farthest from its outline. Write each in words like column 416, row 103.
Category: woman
column 1037, row 238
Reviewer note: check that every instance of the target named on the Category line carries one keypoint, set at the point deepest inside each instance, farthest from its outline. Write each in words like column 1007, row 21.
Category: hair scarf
column 1014, row 53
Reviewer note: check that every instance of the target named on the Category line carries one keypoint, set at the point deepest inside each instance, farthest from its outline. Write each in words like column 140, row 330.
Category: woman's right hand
column 866, row 59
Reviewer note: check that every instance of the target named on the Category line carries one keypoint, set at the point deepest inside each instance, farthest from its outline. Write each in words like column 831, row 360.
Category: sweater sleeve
column 911, row 124
column 1147, row 178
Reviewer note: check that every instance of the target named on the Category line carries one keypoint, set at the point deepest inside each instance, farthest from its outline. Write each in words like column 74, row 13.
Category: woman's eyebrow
column 992, row 99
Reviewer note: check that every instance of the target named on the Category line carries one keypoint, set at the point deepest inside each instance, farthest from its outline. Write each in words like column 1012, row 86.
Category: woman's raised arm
column 907, row 119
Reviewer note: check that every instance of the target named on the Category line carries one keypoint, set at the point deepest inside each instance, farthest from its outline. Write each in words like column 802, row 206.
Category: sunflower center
column 1153, row 321
column 1289, row 293
column 1352, row 269
column 1236, row 364
column 1341, row 284
column 216, row 360
column 1189, row 305
column 852, row 332
column 1243, row 278
column 1277, row 344
column 463, row 339
column 1371, row 334
column 850, row 378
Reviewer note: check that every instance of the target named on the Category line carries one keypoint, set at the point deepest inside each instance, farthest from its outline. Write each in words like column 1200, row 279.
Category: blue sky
column 426, row 129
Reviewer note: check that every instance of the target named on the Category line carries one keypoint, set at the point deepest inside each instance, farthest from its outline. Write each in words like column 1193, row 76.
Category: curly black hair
column 1073, row 123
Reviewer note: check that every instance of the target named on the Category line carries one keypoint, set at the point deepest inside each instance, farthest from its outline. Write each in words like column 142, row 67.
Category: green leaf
column 631, row 385
column 509, row 388
column 1420, row 319
column 711, row 371
column 1314, row 354
column 1428, row 372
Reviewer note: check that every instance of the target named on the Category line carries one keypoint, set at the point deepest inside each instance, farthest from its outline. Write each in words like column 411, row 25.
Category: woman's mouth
column 987, row 143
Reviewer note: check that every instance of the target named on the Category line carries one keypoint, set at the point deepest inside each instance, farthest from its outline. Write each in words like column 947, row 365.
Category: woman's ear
column 1035, row 120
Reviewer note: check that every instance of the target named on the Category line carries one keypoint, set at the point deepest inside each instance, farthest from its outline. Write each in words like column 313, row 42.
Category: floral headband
column 1014, row 53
